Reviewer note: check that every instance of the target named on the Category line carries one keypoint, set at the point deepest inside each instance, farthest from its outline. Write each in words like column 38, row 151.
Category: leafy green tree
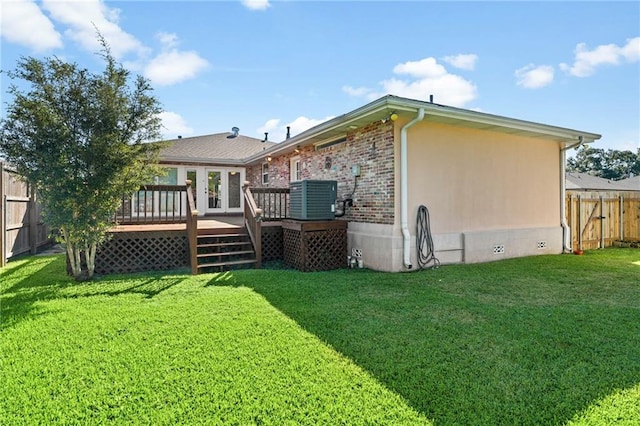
column 80, row 138
column 610, row 164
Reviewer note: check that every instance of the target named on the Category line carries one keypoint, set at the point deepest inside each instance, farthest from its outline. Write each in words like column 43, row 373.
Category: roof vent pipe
column 431, row 98
column 235, row 131
column 288, row 132
column 179, row 136
column 266, row 136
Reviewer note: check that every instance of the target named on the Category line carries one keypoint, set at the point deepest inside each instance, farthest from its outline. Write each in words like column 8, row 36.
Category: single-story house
column 581, row 182
column 494, row 186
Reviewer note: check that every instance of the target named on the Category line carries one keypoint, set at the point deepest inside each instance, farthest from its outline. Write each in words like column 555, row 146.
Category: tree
column 610, row 164
column 80, row 137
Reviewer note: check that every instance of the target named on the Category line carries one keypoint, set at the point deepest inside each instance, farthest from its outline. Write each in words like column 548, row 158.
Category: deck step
column 226, row 253
column 236, row 235
column 226, row 264
column 224, row 249
column 232, row 244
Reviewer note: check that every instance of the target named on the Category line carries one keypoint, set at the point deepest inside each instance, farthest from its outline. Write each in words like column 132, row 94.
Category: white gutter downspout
column 404, row 185
column 566, row 232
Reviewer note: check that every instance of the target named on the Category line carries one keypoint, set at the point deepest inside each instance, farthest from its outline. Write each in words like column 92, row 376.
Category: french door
column 223, row 190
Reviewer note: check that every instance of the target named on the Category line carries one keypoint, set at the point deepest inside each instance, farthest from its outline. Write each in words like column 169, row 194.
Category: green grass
column 542, row 340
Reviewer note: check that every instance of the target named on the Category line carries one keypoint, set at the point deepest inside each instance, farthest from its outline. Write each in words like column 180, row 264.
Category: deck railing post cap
column 188, row 182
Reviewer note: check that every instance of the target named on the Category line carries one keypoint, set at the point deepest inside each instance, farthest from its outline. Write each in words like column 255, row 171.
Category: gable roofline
column 381, row 108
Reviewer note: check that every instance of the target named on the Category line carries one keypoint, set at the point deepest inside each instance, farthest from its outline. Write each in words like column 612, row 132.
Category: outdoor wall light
column 393, row 117
column 268, row 158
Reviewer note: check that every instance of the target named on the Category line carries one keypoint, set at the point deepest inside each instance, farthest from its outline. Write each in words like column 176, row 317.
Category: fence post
column 601, row 222
column 579, row 222
column 3, row 218
column 33, row 220
column 621, row 200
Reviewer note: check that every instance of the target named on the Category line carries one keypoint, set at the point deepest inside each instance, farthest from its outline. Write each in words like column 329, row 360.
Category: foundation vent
column 498, row 249
column 542, row 245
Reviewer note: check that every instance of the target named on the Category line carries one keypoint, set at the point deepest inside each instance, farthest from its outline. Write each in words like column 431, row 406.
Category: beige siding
column 474, row 180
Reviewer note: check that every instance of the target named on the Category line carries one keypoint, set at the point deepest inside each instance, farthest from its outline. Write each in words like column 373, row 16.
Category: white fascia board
column 500, row 121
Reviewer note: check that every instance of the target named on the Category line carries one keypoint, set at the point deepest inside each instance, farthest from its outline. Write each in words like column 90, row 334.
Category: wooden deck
column 207, row 222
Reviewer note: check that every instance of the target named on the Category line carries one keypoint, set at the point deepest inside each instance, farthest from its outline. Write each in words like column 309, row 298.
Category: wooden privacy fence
column 596, row 221
column 21, row 226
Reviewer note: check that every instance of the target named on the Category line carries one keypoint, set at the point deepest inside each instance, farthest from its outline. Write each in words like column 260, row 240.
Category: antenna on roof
column 235, row 131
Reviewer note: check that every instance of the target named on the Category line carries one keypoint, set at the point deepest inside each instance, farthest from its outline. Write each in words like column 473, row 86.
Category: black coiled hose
column 424, row 241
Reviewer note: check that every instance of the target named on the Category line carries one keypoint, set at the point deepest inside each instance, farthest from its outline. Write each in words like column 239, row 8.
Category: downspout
column 404, row 185
column 566, row 232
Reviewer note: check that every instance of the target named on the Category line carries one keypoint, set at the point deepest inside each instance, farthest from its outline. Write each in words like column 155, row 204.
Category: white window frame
column 265, row 173
column 295, row 171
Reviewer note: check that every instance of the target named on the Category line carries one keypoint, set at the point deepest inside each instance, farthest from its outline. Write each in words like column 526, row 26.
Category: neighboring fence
column 598, row 219
column 21, row 226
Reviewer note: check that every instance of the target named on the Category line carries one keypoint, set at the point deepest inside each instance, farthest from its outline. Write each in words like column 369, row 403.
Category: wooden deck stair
column 222, row 249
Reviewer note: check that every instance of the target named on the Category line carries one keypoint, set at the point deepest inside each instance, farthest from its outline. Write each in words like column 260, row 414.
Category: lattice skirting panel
column 272, row 248
column 315, row 250
column 143, row 251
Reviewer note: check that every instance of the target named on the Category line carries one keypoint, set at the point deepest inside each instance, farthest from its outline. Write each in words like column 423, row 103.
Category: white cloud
column 424, row 68
column 173, row 124
column 172, row 65
column 83, row 18
column 425, row 77
column 23, row 22
column 355, row 91
column 534, row 77
column 256, row 4
column 586, row 61
column 462, row 61
column 278, row 133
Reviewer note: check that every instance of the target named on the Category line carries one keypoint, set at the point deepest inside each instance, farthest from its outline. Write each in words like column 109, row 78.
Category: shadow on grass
column 472, row 344
column 27, row 282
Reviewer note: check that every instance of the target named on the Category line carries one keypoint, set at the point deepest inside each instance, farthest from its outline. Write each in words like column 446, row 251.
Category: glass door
column 192, row 175
column 234, row 191
column 214, row 191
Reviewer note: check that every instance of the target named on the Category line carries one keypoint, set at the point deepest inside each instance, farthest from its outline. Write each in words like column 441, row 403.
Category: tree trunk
column 90, row 256
column 72, row 254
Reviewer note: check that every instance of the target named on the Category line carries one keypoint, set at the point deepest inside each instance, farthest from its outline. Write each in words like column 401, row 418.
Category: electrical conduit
column 404, row 185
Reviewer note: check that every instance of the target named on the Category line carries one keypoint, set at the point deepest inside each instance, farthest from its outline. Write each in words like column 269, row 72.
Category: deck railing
column 274, row 202
column 253, row 222
column 154, row 204
column 192, row 229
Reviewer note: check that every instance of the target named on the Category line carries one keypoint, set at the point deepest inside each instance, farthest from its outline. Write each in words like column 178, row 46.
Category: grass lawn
column 542, row 340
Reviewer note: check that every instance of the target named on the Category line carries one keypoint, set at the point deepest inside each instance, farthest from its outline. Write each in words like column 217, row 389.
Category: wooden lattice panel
column 143, row 251
column 315, row 246
column 292, row 248
column 272, row 248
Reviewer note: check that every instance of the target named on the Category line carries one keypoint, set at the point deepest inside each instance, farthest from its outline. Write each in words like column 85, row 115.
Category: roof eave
column 403, row 105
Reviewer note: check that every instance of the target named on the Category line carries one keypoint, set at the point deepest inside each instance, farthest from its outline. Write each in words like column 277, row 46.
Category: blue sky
column 263, row 65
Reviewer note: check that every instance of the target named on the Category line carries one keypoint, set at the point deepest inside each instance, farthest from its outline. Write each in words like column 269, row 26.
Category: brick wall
column 371, row 147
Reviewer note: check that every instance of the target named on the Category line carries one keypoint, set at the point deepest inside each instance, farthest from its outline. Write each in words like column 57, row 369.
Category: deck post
column 192, row 230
